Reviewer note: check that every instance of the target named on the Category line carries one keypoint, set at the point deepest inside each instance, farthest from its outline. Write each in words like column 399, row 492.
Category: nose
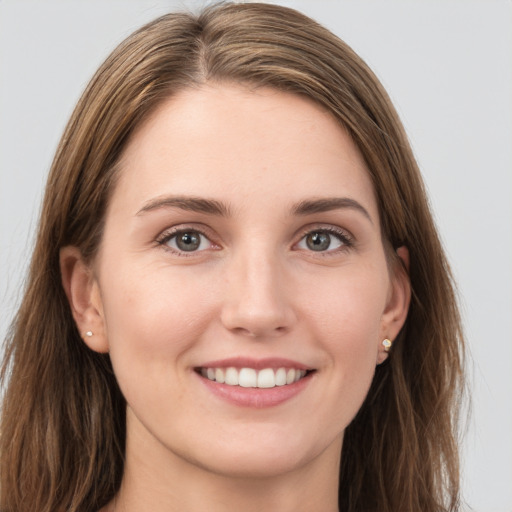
column 258, row 298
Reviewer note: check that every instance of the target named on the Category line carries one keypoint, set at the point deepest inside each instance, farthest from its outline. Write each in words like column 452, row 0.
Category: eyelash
column 343, row 236
column 165, row 237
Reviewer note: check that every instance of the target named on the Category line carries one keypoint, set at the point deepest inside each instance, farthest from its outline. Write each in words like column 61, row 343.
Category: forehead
column 242, row 145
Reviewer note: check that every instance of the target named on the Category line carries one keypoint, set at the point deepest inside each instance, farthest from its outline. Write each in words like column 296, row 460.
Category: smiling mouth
column 252, row 378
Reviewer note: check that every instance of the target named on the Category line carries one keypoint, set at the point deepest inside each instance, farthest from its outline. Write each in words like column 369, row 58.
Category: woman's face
column 242, row 244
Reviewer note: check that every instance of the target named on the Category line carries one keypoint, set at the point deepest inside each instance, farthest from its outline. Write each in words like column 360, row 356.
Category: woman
column 238, row 298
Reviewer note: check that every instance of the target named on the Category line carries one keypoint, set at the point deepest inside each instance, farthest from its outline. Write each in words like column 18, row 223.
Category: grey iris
column 318, row 241
column 189, row 241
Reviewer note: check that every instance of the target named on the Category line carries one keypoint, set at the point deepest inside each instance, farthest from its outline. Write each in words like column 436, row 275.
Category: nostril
column 256, row 316
column 259, row 332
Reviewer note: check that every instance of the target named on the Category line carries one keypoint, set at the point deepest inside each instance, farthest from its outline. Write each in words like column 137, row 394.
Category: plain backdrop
column 447, row 65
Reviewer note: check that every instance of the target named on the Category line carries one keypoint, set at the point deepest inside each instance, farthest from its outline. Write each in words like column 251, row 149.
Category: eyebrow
column 308, row 207
column 214, row 207
column 188, row 203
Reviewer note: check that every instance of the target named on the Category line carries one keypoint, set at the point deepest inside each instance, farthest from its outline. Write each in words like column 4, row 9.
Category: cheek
column 152, row 318
column 346, row 314
column 349, row 306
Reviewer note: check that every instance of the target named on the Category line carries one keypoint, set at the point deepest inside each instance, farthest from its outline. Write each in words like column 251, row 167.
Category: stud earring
column 387, row 344
column 88, row 334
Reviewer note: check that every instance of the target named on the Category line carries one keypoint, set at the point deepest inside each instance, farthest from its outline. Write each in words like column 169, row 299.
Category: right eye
column 186, row 240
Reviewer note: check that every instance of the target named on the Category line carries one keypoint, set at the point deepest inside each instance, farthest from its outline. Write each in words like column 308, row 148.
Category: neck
column 158, row 480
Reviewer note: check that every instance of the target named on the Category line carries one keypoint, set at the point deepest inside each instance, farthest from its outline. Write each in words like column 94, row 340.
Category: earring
column 387, row 344
column 88, row 334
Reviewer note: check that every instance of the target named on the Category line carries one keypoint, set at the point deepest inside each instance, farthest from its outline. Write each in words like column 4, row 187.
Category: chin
column 260, row 456
column 256, row 465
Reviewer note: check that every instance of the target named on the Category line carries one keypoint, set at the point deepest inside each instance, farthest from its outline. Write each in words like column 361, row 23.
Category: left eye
column 187, row 241
column 321, row 241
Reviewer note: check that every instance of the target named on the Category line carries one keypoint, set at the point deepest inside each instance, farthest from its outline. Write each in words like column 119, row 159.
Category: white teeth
column 219, row 375
column 251, row 378
column 281, row 377
column 248, row 378
column 266, row 378
column 231, row 377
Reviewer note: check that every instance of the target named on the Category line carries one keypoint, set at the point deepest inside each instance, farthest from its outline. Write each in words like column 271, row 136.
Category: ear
column 83, row 293
column 397, row 305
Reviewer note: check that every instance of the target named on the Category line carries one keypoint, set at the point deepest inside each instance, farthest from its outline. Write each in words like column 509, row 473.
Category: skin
column 254, row 288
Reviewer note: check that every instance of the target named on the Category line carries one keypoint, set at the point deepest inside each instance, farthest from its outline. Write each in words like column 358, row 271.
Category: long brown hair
column 63, row 419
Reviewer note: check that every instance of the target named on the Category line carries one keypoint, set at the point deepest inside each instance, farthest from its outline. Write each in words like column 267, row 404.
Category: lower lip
column 256, row 397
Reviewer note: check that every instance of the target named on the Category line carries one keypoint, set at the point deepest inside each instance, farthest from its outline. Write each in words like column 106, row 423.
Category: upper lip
column 257, row 364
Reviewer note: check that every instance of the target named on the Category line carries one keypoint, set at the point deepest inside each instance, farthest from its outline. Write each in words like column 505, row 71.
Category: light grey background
column 447, row 65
